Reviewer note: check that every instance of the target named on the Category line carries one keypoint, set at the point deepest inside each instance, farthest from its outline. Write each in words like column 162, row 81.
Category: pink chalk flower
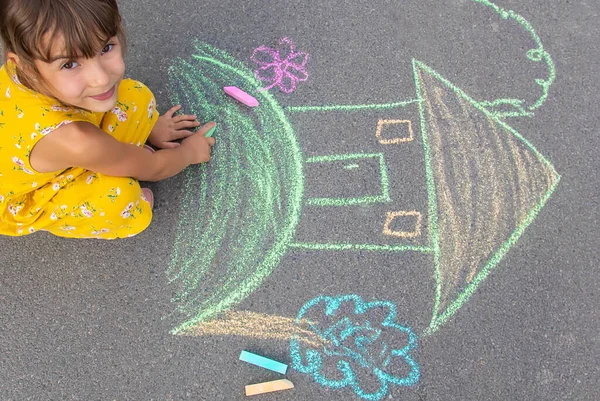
column 281, row 67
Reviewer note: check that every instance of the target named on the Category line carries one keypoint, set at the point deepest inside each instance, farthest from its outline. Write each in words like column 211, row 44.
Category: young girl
column 72, row 130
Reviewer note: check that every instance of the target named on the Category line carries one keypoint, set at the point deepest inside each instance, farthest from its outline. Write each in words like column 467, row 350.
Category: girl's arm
column 81, row 144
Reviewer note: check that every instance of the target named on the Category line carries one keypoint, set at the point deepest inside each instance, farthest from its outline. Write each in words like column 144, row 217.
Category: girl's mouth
column 105, row 95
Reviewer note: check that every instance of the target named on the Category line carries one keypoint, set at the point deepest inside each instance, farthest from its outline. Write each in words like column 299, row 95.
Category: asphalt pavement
column 329, row 232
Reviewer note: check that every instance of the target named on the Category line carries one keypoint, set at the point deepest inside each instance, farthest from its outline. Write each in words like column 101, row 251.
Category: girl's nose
column 98, row 76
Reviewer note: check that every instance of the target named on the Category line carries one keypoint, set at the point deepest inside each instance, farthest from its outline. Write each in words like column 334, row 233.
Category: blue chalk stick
column 263, row 362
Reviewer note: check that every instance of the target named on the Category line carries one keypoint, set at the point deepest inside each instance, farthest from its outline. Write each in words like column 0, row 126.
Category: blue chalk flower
column 361, row 340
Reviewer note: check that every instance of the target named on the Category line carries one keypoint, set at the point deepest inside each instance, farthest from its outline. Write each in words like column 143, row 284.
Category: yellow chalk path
column 257, row 325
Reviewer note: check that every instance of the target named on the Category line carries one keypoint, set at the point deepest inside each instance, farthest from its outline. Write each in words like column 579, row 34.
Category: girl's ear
column 13, row 57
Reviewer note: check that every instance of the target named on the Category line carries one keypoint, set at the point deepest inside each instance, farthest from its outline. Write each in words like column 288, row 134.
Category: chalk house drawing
column 256, row 192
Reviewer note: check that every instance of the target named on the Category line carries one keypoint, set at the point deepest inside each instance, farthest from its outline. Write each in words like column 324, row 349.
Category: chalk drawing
column 362, row 341
column 259, row 325
column 476, row 215
column 282, row 67
column 255, row 190
column 383, row 196
column 484, row 185
column 517, row 107
column 272, row 181
column 395, row 123
column 270, row 174
column 393, row 216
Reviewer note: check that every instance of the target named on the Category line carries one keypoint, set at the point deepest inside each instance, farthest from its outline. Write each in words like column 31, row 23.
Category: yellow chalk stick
column 267, row 387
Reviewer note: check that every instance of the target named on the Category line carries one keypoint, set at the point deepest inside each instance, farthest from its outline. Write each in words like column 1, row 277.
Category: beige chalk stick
column 267, row 387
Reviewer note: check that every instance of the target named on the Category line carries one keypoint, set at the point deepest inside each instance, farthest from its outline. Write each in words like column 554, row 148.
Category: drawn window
column 344, row 180
column 391, row 132
column 403, row 224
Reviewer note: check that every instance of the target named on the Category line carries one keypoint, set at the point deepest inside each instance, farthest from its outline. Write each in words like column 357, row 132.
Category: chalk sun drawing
column 359, row 338
column 282, row 67
column 485, row 184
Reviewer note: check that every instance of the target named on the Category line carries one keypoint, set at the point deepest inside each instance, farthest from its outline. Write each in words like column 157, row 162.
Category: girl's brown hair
column 29, row 28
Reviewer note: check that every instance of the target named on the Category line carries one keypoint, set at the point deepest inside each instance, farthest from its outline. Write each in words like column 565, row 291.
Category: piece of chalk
column 268, row 387
column 210, row 132
column 240, row 95
column 263, row 362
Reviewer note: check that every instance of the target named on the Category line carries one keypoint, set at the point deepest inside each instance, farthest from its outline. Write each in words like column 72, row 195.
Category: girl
column 72, row 130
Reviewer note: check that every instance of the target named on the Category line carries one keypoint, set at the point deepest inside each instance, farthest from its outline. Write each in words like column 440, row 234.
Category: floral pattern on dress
column 151, row 108
column 63, row 182
column 120, row 113
column 114, row 194
column 46, row 130
column 20, row 166
column 100, row 231
column 90, row 178
column 59, row 213
column 20, row 112
column 86, row 212
column 19, row 141
column 14, row 209
column 126, row 213
column 67, row 227
column 137, row 85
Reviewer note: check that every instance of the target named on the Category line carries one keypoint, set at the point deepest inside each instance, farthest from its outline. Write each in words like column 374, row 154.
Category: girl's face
column 87, row 83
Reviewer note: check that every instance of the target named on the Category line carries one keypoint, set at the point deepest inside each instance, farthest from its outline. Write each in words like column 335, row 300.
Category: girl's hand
column 168, row 129
column 198, row 146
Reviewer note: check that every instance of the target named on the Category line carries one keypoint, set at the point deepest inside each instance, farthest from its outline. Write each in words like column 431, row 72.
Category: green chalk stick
column 210, row 132
column 263, row 362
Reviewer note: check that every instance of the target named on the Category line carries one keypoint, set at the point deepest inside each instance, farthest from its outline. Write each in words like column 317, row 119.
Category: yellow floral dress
column 75, row 202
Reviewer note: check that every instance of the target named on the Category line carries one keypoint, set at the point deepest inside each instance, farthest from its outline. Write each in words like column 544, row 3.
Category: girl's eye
column 69, row 65
column 107, row 48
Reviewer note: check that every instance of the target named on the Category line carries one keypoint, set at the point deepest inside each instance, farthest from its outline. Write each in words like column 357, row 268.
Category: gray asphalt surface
column 91, row 320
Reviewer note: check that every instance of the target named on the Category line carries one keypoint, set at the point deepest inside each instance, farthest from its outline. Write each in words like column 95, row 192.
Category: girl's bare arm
column 81, row 144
